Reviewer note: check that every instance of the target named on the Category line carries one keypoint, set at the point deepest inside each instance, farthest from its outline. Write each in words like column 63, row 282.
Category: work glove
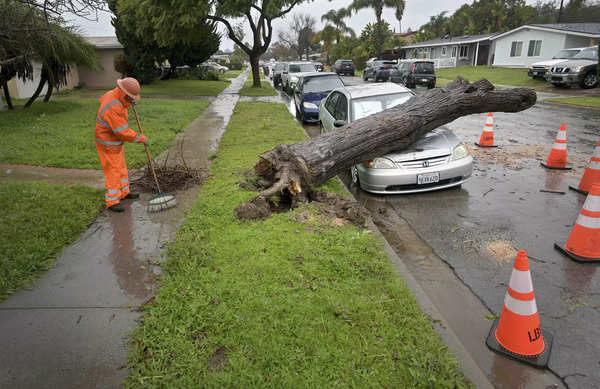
column 144, row 140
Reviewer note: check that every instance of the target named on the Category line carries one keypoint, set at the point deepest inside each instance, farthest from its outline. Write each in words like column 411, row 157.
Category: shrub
column 234, row 65
column 197, row 73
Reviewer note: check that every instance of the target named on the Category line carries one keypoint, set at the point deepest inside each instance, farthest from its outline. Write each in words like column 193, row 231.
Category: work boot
column 116, row 208
column 132, row 196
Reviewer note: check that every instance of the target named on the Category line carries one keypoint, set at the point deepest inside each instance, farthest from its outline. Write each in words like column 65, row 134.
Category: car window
column 367, row 106
column 341, row 108
column 424, row 68
column 564, row 54
column 331, row 103
column 304, row 67
column 322, row 84
column 587, row 54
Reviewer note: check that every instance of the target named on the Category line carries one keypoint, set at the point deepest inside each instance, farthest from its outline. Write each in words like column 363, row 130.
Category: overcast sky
column 416, row 13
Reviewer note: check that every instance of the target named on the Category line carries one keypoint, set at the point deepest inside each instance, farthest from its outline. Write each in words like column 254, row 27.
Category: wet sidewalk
column 71, row 330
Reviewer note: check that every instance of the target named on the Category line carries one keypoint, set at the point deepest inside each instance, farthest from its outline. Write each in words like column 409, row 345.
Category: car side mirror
column 339, row 123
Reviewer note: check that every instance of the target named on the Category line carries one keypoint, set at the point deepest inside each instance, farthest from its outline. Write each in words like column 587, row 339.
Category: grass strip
column 495, row 75
column 265, row 88
column 231, row 74
column 279, row 303
column 184, row 88
column 593, row 102
column 39, row 219
column 61, row 133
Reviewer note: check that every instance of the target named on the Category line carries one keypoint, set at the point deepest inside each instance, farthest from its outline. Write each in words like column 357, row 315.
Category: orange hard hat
column 130, row 86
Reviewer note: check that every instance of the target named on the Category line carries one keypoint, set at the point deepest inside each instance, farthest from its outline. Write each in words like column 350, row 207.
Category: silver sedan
column 437, row 160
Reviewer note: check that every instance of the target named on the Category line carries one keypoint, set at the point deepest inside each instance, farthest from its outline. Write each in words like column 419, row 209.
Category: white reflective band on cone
column 520, row 281
column 560, row 146
column 562, row 135
column 592, row 203
column 588, row 222
column 523, row 308
column 597, row 152
column 594, row 165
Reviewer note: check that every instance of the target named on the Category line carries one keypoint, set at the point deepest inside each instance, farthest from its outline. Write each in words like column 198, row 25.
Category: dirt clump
column 170, row 178
column 501, row 250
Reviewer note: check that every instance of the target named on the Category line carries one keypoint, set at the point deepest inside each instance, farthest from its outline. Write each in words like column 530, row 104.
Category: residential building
column 108, row 49
column 539, row 42
column 453, row 51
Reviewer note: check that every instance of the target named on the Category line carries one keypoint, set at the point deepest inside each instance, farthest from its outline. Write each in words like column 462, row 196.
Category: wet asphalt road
column 476, row 229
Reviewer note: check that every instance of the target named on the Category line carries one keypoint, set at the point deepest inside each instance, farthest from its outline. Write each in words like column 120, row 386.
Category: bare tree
column 299, row 34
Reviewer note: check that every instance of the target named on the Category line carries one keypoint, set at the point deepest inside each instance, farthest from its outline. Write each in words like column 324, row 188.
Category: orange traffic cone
column 584, row 242
column 517, row 333
column 487, row 136
column 558, row 155
column 591, row 174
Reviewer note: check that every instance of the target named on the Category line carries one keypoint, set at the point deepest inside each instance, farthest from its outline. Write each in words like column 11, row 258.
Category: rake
column 161, row 201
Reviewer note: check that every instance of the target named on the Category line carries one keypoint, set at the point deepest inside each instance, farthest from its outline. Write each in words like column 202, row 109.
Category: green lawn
column 279, row 303
column 61, row 132
column 580, row 101
column 37, row 221
column 496, row 75
column 184, row 88
column 265, row 89
column 231, row 74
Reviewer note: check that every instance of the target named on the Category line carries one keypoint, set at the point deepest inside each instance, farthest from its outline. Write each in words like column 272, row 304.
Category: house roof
column 454, row 40
column 591, row 30
column 104, row 42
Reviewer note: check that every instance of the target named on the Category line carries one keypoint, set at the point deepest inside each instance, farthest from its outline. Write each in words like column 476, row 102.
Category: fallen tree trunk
column 290, row 172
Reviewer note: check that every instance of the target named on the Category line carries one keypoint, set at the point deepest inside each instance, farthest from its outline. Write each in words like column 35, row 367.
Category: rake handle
column 137, row 119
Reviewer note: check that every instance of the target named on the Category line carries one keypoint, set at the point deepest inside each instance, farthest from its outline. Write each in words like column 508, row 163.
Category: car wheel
column 430, row 86
column 589, row 80
column 354, row 175
column 352, row 74
column 364, row 76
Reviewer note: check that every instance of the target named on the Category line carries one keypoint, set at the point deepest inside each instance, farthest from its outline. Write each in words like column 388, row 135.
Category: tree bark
column 43, row 79
column 7, row 95
column 291, row 172
column 255, row 70
column 48, row 92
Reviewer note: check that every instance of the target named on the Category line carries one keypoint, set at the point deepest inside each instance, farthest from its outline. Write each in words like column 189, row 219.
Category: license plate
column 428, row 178
column 535, row 73
column 424, row 80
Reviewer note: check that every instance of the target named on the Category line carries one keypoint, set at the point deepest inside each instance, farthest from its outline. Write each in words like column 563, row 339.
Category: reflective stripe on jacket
column 112, row 127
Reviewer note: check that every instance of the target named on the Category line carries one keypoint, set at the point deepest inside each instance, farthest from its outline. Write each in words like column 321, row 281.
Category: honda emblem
column 425, row 163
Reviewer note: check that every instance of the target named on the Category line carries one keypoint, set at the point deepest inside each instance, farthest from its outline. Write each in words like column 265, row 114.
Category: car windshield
column 367, row 106
column 279, row 66
column 322, row 84
column 301, row 68
column 346, row 62
column 565, row 54
column 587, row 54
column 424, row 68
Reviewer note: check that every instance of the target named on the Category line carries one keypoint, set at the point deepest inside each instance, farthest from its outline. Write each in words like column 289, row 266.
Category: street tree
column 299, row 34
column 179, row 19
column 337, row 19
column 288, row 174
column 326, row 36
column 377, row 6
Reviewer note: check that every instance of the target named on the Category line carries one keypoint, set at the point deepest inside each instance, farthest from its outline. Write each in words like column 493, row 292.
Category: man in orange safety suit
column 112, row 129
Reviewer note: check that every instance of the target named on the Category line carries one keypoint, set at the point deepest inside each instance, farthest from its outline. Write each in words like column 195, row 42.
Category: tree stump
column 291, row 172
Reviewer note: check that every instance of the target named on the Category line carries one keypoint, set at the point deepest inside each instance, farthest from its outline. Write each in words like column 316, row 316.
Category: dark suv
column 344, row 66
column 580, row 69
column 378, row 70
column 414, row 73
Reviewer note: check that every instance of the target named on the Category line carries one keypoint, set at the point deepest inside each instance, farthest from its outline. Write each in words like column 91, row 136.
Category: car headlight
column 306, row 104
column 579, row 69
column 380, row 163
column 293, row 79
column 461, row 151
column 530, row 68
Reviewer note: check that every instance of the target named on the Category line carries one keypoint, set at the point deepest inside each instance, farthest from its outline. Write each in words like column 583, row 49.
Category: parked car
column 319, row 66
column 413, row 73
column 435, row 161
column 291, row 72
column 540, row 69
column 277, row 72
column 213, row 66
column 310, row 90
column 344, row 66
column 581, row 69
column 378, row 70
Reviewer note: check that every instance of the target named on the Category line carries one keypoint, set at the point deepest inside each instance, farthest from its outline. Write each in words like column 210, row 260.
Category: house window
column 534, row 48
column 515, row 49
column 444, row 51
column 464, row 51
column 432, row 54
column 454, row 50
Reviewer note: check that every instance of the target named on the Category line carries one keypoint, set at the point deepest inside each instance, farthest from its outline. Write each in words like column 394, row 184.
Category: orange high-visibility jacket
column 112, row 128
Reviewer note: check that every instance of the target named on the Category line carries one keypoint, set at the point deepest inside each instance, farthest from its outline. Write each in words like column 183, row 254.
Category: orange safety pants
column 116, row 178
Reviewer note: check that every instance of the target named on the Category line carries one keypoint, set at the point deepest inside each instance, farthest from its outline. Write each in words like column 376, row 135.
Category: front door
column 482, row 57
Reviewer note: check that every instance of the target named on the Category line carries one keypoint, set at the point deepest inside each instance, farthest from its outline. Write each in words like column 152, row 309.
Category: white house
column 453, row 51
column 539, row 42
